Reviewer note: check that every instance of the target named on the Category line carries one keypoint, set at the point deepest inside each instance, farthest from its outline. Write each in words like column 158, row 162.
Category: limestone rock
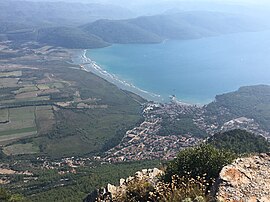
column 110, row 192
column 245, row 180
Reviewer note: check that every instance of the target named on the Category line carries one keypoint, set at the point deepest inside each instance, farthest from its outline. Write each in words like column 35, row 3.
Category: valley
column 60, row 125
column 39, row 101
column 77, row 110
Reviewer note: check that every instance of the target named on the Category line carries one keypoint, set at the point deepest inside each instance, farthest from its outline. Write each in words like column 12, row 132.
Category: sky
column 152, row 7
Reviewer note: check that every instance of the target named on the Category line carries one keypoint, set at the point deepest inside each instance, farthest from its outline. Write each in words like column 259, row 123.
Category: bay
column 193, row 70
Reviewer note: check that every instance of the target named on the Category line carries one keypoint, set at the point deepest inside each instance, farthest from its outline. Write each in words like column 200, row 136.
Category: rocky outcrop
column 245, row 180
column 111, row 191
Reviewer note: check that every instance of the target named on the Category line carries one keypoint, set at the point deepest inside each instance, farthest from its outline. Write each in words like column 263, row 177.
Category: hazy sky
column 150, row 7
column 259, row 2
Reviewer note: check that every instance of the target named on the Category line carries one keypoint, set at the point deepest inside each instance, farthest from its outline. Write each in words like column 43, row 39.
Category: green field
column 4, row 139
column 21, row 121
column 17, row 149
column 8, row 82
column 10, row 74
column 18, row 131
column 44, row 119
column 26, row 89
column 18, row 101
column 57, row 85
column 43, row 86
column 64, row 131
column 3, row 116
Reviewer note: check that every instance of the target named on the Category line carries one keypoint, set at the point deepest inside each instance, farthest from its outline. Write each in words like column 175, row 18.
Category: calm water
column 193, row 70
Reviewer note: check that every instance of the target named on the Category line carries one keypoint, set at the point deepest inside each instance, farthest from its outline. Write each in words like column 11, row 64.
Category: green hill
column 170, row 27
column 69, row 38
column 58, row 13
column 185, row 25
column 120, row 32
column 146, row 29
column 6, row 26
column 240, row 141
column 250, row 101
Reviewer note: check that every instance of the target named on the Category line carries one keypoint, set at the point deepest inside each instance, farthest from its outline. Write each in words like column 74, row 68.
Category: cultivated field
column 21, row 123
column 44, row 119
column 17, row 149
column 11, row 74
column 9, row 82
column 4, row 116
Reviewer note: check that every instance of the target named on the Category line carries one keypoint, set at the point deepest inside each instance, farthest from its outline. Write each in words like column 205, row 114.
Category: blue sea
column 193, row 70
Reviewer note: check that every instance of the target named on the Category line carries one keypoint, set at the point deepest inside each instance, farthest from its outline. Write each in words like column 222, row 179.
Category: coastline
column 88, row 65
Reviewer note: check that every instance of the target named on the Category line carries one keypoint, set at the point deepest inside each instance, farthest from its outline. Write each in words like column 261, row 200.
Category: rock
column 122, row 181
column 111, row 191
column 245, row 180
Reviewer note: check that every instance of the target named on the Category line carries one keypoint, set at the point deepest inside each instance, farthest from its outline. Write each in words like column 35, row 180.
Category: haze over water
column 193, row 70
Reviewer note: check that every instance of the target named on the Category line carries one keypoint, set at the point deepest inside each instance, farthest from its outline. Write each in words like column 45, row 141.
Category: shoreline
column 88, row 65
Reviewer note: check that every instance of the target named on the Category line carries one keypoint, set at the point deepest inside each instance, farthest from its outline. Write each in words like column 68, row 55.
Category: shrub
column 182, row 189
column 136, row 190
column 179, row 189
column 202, row 161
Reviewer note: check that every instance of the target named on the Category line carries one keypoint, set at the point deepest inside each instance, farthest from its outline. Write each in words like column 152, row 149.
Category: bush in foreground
column 200, row 161
column 179, row 189
column 187, row 178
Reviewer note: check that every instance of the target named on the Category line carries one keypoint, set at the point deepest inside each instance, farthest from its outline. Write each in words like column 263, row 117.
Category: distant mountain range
column 58, row 24
column 58, row 13
column 185, row 25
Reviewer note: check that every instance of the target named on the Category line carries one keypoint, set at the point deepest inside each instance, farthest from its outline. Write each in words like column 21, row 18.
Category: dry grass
column 11, row 74
column 180, row 189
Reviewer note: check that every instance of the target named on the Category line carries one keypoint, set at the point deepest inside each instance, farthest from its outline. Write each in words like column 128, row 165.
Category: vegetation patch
column 8, row 82
column 240, row 142
column 21, row 121
column 26, row 89
column 10, row 74
column 26, row 95
column 4, row 139
column 251, row 102
column 43, row 87
column 18, row 131
column 44, row 119
column 4, row 116
column 56, row 85
column 17, row 149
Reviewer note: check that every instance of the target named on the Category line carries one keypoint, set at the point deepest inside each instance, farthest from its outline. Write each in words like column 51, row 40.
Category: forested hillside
column 251, row 102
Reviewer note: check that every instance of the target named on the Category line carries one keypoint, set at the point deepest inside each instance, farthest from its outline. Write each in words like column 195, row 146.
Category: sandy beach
column 89, row 65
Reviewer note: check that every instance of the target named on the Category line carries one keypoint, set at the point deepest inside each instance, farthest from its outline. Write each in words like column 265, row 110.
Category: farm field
column 57, row 107
column 44, row 119
column 21, row 123
column 4, row 113
column 17, row 149
column 51, row 112
column 11, row 74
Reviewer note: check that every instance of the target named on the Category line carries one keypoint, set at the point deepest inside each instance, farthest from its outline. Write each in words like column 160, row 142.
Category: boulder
column 245, row 180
